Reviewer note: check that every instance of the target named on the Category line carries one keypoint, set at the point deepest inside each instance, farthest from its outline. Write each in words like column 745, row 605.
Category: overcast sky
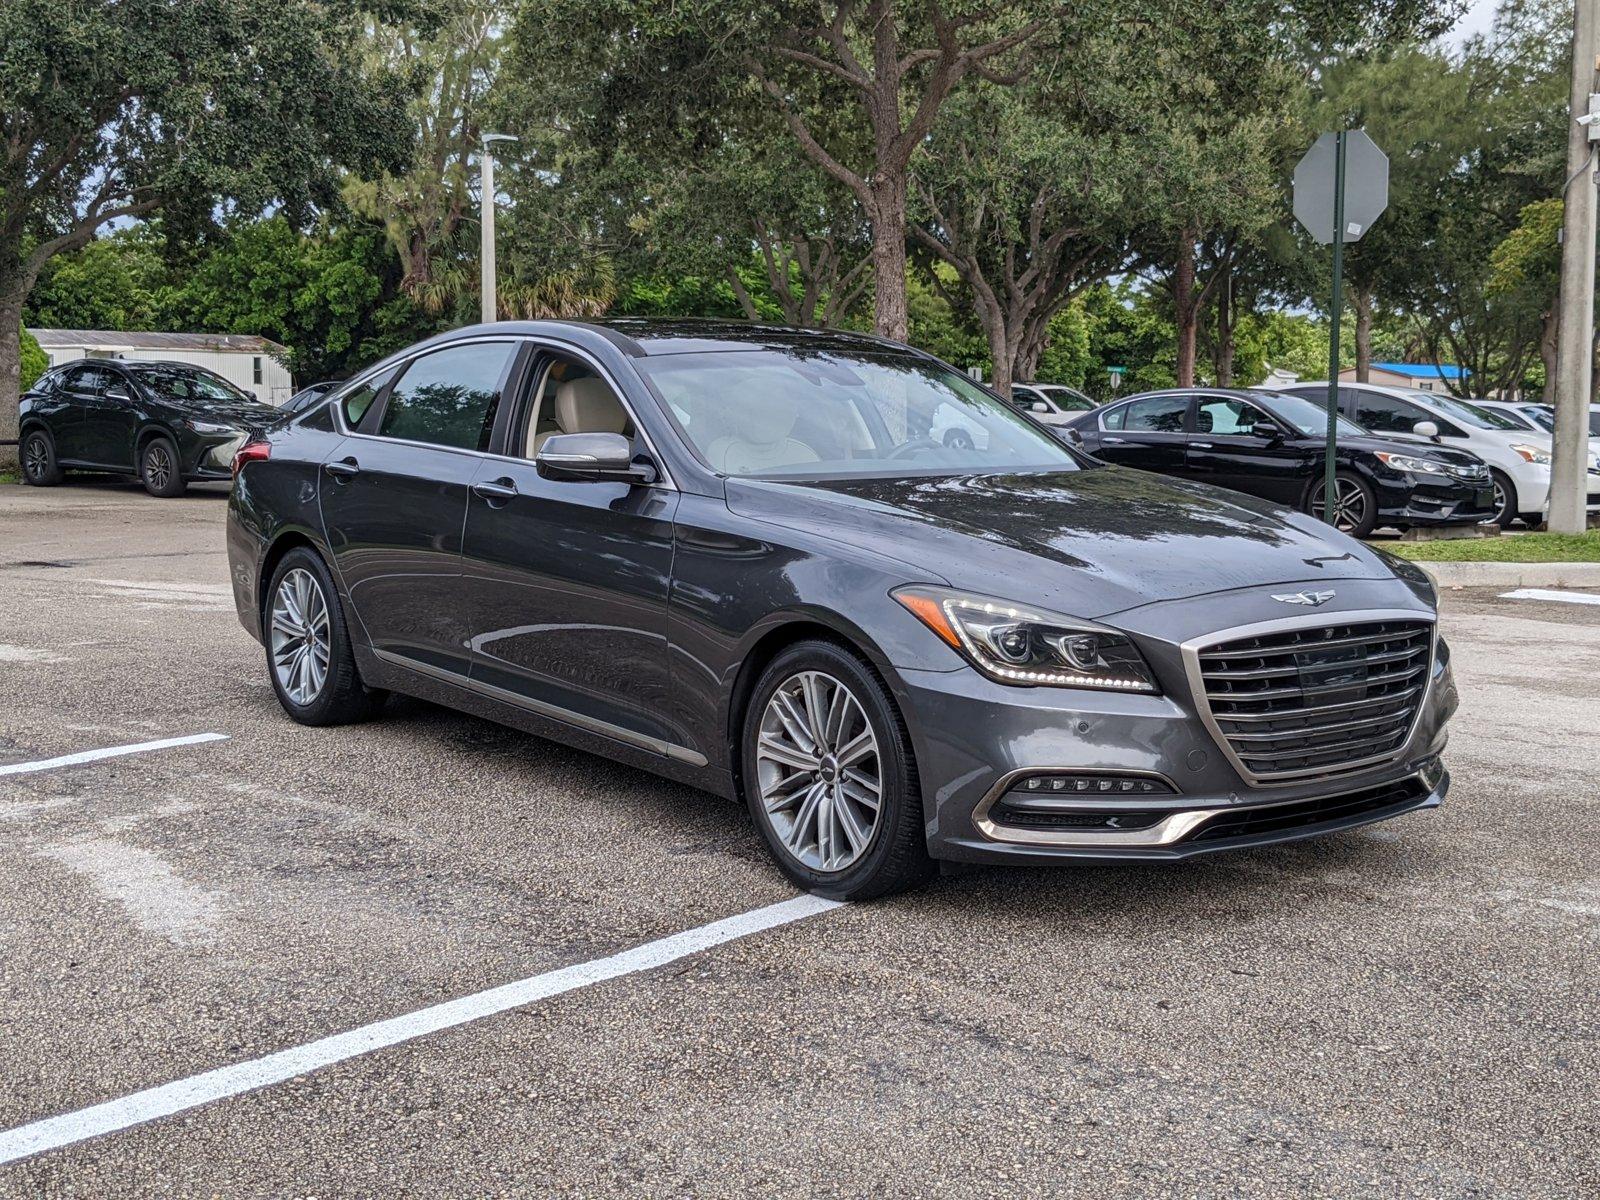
column 1480, row 15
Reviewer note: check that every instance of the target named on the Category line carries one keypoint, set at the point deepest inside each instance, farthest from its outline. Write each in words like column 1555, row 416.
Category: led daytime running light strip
column 1066, row 678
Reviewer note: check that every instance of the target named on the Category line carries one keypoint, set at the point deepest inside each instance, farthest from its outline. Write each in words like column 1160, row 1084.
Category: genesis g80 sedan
column 734, row 556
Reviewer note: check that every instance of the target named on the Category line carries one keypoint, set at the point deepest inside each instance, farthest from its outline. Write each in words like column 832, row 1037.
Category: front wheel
column 1505, row 500
column 829, row 776
column 159, row 470
column 309, row 658
column 1355, row 508
column 39, row 465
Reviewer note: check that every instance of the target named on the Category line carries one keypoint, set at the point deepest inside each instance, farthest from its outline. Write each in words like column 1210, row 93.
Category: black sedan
column 1273, row 445
column 735, row 556
column 170, row 423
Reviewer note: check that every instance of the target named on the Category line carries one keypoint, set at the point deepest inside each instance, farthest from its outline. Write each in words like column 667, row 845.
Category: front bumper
column 1435, row 501
column 976, row 739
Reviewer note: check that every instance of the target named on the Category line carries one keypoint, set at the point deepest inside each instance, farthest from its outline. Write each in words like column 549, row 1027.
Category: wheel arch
column 276, row 551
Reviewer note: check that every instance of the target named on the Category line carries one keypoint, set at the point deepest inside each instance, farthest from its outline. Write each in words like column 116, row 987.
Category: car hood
column 1400, row 444
column 1088, row 543
column 246, row 414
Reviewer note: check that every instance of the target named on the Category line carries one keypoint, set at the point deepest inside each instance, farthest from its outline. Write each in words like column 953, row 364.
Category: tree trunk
column 1000, row 356
column 1224, row 362
column 889, row 257
column 1548, row 340
column 1186, row 307
column 1363, row 298
column 11, row 298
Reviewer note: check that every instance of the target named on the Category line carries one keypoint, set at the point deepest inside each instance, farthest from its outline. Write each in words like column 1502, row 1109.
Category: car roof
column 643, row 337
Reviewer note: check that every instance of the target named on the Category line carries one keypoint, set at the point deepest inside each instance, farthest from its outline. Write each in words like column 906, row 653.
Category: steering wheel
column 915, row 446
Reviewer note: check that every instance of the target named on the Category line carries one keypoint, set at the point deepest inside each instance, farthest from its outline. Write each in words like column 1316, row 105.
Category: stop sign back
column 1366, row 186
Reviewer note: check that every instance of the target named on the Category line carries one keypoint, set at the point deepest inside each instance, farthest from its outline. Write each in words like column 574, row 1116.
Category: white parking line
column 89, row 756
column 180, row 1095
column 1550, row 594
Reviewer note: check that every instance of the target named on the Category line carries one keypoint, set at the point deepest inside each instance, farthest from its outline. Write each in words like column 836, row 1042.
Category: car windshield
column 1309, row 417
column 180, row 383
column 1544, row 418
column 826, row 415
column 1467, row 414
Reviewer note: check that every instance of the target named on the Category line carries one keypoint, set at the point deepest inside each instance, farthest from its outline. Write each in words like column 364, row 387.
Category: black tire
column 1356, row 499
column 958, row 439
column 342, row 698
column 159, row 469
column 1506, row 492
column 39, row 465
column 896, row 852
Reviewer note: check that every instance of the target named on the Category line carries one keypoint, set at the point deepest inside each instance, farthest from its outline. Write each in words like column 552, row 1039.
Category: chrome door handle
column 500, row 489
column 343, row 469
column 1111, row 441
column 1200, row 445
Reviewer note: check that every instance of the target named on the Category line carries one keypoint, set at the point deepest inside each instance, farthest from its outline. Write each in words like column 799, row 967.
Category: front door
column 111, row 422
column 79, row 393
column 394, row 498
column 568, row 581
column 1238, row 446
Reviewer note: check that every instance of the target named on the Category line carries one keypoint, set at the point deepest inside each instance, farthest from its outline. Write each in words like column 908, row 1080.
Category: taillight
column 251, row 452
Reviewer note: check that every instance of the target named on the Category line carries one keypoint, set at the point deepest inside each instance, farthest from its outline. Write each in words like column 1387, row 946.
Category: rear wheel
column 1355, row 509
column 829, row 776
column 309, row 658
column 1505, row 500
column 158, row 468
column 39, row 466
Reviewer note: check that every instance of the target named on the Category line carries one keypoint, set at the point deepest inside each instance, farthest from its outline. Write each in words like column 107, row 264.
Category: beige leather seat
column 761, row 441
column 584, row 405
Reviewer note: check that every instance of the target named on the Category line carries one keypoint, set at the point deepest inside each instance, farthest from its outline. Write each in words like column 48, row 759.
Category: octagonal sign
column 1366, row 186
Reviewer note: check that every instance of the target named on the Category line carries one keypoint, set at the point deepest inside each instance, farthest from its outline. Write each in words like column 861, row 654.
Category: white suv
column 1518, row 458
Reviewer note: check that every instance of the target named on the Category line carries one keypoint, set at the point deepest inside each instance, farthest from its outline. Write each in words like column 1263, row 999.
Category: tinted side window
column 1114, row 418
column 1385, row 414
column 1158, row 414
column 357, row 401
column 449, row 397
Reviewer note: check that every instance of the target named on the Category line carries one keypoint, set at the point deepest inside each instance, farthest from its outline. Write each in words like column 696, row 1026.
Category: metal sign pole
column 1328, row 480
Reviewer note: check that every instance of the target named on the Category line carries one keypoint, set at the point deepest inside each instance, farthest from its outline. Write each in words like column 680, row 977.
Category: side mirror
column 591, row 457
column 117, row 392
column 1426, row 429
column 1269, row 431
column 1071, row 436
column 254, row 397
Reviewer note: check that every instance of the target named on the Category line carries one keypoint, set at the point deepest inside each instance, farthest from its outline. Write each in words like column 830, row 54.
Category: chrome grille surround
column 1231, row 671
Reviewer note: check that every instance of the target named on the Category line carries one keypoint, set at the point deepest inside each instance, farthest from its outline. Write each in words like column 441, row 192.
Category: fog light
column 1083, row 783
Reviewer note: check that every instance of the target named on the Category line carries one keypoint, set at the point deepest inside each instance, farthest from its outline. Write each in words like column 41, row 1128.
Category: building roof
column 113, row 339
column 1423, row 370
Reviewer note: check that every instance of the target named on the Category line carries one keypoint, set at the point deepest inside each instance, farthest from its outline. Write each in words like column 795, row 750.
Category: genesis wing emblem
column 1309, row 599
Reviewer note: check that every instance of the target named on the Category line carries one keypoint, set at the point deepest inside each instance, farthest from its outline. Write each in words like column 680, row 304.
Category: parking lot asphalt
column 1405, row 1010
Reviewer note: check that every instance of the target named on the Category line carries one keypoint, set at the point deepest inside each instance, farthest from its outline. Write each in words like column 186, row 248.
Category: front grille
column 1264, row 819
column 1317, row 701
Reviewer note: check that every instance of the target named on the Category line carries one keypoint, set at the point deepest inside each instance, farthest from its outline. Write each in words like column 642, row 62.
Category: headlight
column 1412, row 464
column 1533, row 454
column 1017, row 645
column 211, row 427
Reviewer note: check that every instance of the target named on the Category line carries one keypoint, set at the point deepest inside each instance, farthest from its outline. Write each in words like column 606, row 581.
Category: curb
column 1504, row 574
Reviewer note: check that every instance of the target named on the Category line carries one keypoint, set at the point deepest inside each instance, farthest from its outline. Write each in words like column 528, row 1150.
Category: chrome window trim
column 1191, row 651
column 665, row 482
column 542, row 708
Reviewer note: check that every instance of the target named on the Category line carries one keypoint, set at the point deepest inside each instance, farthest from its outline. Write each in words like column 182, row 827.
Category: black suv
column 1271, row 445
column 170, row 423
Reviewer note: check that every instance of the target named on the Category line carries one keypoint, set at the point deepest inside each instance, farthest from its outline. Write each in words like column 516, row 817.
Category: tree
column 1525, row 270
column 111, row 109
column 451, row 52
column 1022, row 192
column 643, row 69
column 34, row 361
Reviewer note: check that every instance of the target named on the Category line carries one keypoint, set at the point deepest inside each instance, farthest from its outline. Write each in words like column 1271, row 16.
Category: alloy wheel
column 36, row 458
column 158, row 467
column 300, row 638
column 1501, row 503
column 818, row 771
column 1349, row 504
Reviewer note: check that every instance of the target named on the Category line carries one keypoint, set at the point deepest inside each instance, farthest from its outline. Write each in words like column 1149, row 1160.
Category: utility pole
column 1575, row 334
column 487, row 294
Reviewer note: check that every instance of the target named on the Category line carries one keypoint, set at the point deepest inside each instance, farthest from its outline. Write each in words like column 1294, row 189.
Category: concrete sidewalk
column 1504, row 574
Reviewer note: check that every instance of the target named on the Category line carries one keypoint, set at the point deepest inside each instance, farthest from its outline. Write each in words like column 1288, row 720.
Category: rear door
column 1149, row 433
column 1237, row 445
column 394, row 498
column 567, row 581
column 79, row 393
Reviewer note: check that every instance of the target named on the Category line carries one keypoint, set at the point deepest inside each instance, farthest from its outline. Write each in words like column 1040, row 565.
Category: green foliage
column 1525, row 547
column 112, row 283
column 34, row 360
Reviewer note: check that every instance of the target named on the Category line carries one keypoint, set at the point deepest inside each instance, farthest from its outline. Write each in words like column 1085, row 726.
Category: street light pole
column 489, row 308
column 1575, row 333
